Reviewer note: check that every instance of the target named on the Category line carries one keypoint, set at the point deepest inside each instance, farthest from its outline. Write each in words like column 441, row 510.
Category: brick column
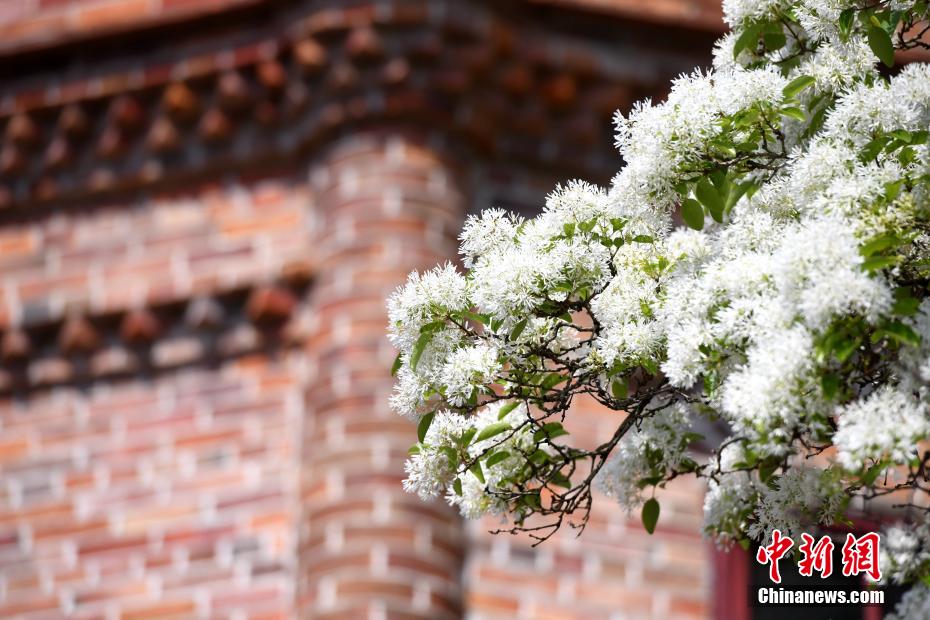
column 386, row 203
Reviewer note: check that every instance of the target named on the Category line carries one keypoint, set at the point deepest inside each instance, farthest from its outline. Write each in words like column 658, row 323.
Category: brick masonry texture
column 203, row 205
column 369, row 550
column 33, row 23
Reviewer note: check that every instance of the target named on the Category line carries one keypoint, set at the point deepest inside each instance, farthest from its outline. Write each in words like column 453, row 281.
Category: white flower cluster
column 516, row 264
column 429, row 470
column 905, row 553
column 730, row 499
column 466, row 369
column 886, row 425
column 802, row 495
column 735, row 12
column 422, row 302
column 659, row 141
column 914, row 604
column 656, row 447
column 794, row 308
column 430, row 473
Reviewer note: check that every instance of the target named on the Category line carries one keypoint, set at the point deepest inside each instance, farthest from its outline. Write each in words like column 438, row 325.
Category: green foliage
column 650, row 514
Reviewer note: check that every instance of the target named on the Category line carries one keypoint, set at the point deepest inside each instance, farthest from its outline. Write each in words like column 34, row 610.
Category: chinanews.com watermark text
column 860, row 556
column 809, row 597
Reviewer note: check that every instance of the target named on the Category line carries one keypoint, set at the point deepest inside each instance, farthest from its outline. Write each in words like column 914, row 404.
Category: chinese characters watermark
column 859, row 555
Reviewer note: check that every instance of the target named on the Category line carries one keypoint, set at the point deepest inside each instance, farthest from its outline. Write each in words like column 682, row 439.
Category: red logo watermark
column 860, row 555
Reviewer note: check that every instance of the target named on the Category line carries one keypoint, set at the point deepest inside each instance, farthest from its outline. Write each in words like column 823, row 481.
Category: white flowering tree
column 759, row 265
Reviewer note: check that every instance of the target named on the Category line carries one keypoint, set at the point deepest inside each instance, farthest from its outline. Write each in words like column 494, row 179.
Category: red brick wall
column 169, row 498
column 388, row 203
column 34, row 23
column 168, row 495
column 134, row 252
column 698, row 13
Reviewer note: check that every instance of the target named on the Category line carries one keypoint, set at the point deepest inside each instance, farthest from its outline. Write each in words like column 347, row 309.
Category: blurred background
column 203, row 205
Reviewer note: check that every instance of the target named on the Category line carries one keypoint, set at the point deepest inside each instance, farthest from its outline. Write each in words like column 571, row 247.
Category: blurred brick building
column 203, row 204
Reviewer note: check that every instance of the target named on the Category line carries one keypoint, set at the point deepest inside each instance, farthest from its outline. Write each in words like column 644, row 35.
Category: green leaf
column 707, row 194
column 882, row 242
column 532, row 500
column 507, row 408
column 649, row 481
column 559, row 479
column 650, row 515
column 477, row 472
column 414, row 449
column 871, row 150
column 492, row 430
column 465, row 438
column 423, row 426
column 877, row 263
column 550, row 430
column 419, row 347
column 846, row 21
column 738, row 191
column 872, row 473
column 774, row 41
column 497, row 457
column 551, row 381
column 618, row 389
column 767, row 469
column 748, row 39
column 477, row 318
column 797, row 85
column 902, row 135
column 844, row 348
column 517, row 329
column 721, row 181
column 643, row 239
column 830, row 384
column 899, row 332
column 398, row 362
column 795, row 113
column 539, row 457
column 905, row 304
column 569, row 228
column 451, row 456
column 650, row 366
column 880, row 42
column 692, row 213
column 893, row 190
column 457, row 486
column 816, row 122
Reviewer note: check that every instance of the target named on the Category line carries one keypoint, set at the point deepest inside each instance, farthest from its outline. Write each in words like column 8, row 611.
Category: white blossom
column 796, row 315
column 429, row 472
column 663, row 436
column 411, row 306
column 737, row 11
column 905, row 552
column 466, row 370
column 914, row 604
column 730, row 497
column 802, row 496
column 886, row 424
